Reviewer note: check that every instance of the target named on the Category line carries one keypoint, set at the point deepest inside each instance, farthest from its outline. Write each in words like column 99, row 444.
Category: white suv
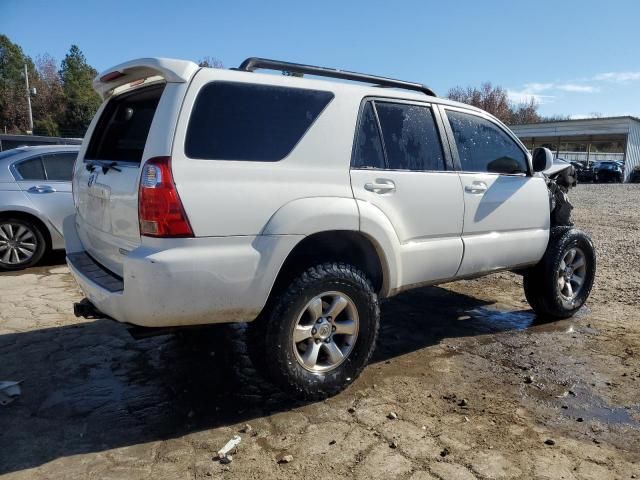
column 209, row 196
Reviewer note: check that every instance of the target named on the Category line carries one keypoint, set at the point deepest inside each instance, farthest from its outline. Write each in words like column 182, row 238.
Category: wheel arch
column 32, row 217
column 348, row 246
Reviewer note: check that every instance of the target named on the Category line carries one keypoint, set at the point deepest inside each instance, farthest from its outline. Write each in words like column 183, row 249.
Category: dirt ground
column 481, row 387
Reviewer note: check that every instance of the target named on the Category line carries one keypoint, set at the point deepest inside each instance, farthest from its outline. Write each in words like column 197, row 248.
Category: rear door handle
column 41, row 189
column 476, row 188
column 381, row 185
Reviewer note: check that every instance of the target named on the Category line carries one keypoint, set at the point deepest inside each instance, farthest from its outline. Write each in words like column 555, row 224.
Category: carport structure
column 587, row 140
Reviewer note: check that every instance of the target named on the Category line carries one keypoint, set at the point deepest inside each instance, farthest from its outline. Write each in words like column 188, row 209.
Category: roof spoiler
column 173, row 71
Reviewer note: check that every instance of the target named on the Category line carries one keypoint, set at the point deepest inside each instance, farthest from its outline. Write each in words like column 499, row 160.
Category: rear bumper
column 178, row 282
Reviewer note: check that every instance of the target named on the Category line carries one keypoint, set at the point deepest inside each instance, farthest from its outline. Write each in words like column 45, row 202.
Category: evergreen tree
column 82, row 101
column 13, row 93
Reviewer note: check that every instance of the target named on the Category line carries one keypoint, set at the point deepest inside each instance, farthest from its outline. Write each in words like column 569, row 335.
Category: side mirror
column 542, row 159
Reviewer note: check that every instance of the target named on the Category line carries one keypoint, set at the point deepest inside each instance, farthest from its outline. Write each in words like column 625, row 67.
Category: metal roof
column 620, row 117
column 580, row 127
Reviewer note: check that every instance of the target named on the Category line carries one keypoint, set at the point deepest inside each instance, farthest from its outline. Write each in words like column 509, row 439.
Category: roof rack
column 254, row 63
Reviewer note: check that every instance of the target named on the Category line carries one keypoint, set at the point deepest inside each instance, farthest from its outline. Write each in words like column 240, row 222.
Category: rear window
column 410, row 137
column 59, row 166
column 121, row 133
column 239, row 121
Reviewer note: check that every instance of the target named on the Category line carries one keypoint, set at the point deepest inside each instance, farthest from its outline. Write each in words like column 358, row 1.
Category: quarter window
column 368, row 151
column 485, row 147
column 239, row 121
column 31, row 169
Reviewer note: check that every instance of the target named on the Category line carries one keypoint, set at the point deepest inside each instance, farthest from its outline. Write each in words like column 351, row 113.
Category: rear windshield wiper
column 106, row 166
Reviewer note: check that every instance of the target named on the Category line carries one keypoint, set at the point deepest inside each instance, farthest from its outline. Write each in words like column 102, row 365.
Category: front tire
column 22, row 244
column 319, row 333
column 561, row 283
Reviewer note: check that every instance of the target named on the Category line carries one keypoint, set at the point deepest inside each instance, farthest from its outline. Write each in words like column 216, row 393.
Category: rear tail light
column 159, row 207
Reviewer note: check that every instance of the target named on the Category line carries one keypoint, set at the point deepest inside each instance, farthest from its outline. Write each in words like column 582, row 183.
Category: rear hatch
column 134, row 124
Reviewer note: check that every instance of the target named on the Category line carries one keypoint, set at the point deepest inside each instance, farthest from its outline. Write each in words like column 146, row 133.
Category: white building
column 588, row 140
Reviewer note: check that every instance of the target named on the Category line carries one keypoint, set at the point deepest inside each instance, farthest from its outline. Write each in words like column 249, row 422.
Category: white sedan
column 35, row 197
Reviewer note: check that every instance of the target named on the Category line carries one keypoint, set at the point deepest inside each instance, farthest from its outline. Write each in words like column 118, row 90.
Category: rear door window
column 31, row 169
column 240, row 121
column 411, row 140
column 484, row 147
column 121, row 133
column 59, row 166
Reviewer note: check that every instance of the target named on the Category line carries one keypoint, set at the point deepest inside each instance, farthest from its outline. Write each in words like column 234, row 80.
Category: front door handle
column 476, row 188
column 41, row 189
column 380, row 185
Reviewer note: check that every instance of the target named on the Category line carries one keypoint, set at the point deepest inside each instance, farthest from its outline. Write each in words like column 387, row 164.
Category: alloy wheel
column 18, row 243
column 325, row 332
column 572, row 273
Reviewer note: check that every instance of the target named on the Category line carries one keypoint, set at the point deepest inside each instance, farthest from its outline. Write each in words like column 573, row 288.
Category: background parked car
column 35, row 197
column 608, row 171
column 584, row 171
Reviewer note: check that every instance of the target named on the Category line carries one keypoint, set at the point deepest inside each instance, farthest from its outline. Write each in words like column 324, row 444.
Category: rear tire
column 561, row 283
column 22, row 243
column 319, row 333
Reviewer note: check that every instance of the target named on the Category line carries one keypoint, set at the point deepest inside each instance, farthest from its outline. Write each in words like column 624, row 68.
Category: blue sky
column 574, row 57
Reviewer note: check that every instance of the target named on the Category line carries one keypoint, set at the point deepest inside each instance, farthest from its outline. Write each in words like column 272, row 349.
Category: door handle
column 380, row 185
column 41, row 189
column 476, row 188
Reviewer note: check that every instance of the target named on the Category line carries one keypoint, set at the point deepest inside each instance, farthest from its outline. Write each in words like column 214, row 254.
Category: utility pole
column 26, row 79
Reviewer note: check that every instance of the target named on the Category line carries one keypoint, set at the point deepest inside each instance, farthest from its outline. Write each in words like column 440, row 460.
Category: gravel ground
column 479, row 387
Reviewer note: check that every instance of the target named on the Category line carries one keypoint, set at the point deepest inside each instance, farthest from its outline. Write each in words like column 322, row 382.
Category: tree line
column 64, row 101
column 495, row 100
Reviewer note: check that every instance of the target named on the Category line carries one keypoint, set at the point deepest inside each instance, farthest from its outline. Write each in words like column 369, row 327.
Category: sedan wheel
column 21, row 244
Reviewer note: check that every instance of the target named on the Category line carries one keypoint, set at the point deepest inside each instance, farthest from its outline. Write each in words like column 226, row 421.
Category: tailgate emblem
column 92, row 179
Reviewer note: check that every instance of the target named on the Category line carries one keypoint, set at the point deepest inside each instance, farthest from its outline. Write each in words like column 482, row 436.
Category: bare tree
column 523, row 113
column 555, row 118
column 210, row 62
column 495, row 100
column 48, row 103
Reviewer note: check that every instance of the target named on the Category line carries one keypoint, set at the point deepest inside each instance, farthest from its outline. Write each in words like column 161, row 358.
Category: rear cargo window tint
column 121, row 133
column 31, row 169
column 239, row 121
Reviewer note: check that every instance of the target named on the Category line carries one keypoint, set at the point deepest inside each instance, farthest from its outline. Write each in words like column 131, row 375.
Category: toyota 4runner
column 212, row 196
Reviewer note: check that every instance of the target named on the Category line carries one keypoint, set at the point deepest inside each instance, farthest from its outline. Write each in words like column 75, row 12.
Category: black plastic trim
column 96, row 272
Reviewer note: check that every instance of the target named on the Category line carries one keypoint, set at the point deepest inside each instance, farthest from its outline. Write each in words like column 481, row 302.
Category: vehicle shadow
column 90, row 387
column 51, row 259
